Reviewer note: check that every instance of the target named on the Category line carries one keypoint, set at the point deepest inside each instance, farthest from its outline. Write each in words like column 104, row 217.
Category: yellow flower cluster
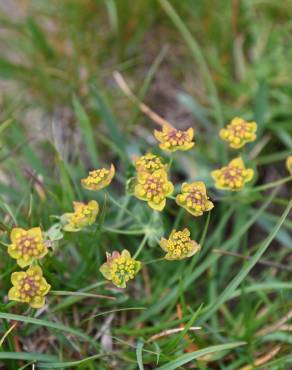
column 151, row 185
column 27, row 245
column 194, row 198
column 149, row 163
column 289, row 164
column 120, row 268
column 233, row 176
column 179, row 245
column 239, row 132
column 171, row 139
column 84, row 215
column 29, row 286
column 98, row 179
column 153, row 188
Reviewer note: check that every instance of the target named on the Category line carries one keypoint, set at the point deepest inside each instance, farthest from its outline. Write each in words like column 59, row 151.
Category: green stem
column 154, row 261
column 170, row 161
column 272, row 184
column 203, row 237
column 141, row 246
column 126, row 232
column 258, row 188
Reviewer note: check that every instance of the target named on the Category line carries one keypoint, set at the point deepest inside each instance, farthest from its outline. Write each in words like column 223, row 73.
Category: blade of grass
column 48, row 324
column 139, row 351
column 198, row 56
column 269, row 287
column 110, row 122
column 186, row 358
column 236, row 281
column 39, row 39
column 70, row 364
column 190, row 278
column 26, row 356
column 5, row 124
column 86, row 130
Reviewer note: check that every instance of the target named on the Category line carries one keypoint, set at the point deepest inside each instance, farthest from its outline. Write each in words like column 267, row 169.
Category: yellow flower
column 149, row 163
column 120, row 268
column 27, row 245
column 289, row 164
column 172, row 139
column 239, row 132
column 233, row 176
column 29, row 286
column 84, row 215
column 98, row 179
column 179, row 245
column 153, row 188
column 194, row 198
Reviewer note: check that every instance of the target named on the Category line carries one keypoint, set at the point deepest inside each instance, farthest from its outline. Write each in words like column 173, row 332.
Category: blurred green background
column 197, row 63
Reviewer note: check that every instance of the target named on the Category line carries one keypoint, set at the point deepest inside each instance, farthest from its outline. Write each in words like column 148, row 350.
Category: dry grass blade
column 143, row 107
column 278, row 266
column 4, row 336
column 166, row 333
column 277, row 325
column 263, row 359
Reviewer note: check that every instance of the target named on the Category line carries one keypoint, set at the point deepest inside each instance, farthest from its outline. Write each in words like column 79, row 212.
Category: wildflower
column 233, row 176
column 98, row 179
column 149, row 163
column 27, row 245
column 120, row 268
column 179, row 245
column 239, row 132
column 84, row 215
column 289, row 164
column 153, row 188
column 194, row 198
column 29, row 286
column 172, row 139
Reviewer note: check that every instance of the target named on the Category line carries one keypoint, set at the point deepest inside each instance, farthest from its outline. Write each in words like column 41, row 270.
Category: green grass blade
column 209, row 261
column 139, row 351
column 69, row 364
column 237, row 280
column 39, row 39
column 48, row 324
column 186, row 358
column 27, row 356
column 86, row 130
column 111, row 124
column 262, row 287
column 198, row 56
column 5, row 124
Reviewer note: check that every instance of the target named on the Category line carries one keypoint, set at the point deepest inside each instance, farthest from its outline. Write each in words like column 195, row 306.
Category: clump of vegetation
column 145, row 230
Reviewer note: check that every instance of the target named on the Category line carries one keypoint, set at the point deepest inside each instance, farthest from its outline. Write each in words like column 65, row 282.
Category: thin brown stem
column 262, row 262
column 143, row 107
